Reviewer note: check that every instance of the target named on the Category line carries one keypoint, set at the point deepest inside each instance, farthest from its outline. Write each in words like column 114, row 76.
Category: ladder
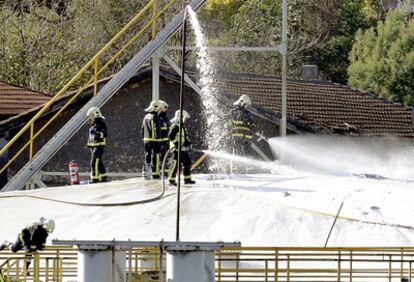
column 79, row 119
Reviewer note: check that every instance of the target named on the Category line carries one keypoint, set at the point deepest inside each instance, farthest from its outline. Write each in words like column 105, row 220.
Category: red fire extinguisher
column 74, row 173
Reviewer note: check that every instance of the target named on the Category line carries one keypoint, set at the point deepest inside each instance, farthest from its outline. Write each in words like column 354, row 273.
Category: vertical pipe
column 219, row 266
column 177, row 233
column 113, row 263
column 237, row 267
column 60, row 269
column 156, row 76
column 130, row 264
column 402, row 263
column 95, row 77
column 266, row 270
column 31, row 141
column 36, row 268
column 288, row 268
column 389, row 269
column 339, row 267
column 47, row 271
column 350, row 267
column 284, row 67
column 276, row 265
column 410, row 271
column 161, row 266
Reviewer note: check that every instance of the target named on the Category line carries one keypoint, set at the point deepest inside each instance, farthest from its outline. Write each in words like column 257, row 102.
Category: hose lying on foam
column 102, row 204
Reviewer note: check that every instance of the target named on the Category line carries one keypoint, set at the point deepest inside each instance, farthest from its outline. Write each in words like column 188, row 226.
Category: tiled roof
column 15, row 99
column 324, row 105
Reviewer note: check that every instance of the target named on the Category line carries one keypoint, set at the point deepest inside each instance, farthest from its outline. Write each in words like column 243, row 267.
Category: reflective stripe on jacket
column 240, row 123
column 174, row 137
column 151, row 130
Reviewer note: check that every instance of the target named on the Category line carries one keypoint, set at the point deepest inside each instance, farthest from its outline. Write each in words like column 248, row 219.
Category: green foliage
column 321, row 32
column 382, row 59
column 45, row 42
column 42, row 49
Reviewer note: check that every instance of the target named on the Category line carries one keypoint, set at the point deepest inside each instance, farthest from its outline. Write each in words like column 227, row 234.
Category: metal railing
column 89, row 74
column 307, row 264
column 314, row 264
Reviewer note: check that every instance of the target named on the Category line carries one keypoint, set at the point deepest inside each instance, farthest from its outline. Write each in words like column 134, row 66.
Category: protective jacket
column 241, row 124
column 174, row 137
column 151, row 129
column 33, row 237
column 97, row 133
column 165, row 126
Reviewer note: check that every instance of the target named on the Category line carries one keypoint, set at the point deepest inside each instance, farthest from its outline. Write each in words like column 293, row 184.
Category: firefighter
column 241, row 128
column 151, row 134
column 165, row 128
column 185, row 158
column 32, row 238
column 96, row 144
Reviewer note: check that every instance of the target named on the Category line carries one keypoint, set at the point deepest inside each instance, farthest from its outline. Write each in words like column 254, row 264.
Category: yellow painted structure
column 311, row 264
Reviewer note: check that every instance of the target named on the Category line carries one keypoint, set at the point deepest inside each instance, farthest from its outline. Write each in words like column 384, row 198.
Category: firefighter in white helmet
column 185, row 158
column 32, row 238
column 151, row 134
column 165, row 129
column 96, row 143
column 241, row 128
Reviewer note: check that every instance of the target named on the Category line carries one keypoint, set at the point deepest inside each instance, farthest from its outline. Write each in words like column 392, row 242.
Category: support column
column 190, row 266
column 156, row 73
column 101, row 265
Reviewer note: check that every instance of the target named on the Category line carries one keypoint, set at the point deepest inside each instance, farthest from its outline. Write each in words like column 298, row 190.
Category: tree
column 382, row 59
column 321, row 32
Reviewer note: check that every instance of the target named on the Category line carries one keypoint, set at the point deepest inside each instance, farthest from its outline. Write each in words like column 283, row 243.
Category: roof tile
column 16, row 99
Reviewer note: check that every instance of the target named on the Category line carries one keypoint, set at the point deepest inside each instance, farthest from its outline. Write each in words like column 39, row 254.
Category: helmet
column 95, row 111
column 163, row 105
column 49, row 225
column 244, row 100
column 176, row 118
column 153, row 107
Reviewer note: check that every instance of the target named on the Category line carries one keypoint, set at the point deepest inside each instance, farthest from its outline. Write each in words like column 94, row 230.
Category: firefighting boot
column 189, row 181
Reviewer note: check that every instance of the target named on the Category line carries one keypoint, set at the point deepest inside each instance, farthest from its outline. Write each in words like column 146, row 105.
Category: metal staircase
column 80, row 118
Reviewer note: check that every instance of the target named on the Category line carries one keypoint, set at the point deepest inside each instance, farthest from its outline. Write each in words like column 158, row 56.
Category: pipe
column 184, row 38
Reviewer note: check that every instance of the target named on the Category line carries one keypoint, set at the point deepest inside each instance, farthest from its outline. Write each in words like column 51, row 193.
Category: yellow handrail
column 239, row 264
column 92, row 64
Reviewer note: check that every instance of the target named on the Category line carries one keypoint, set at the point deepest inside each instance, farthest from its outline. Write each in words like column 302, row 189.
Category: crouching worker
column 32, row 238
column 96, row 144
column 185, row 159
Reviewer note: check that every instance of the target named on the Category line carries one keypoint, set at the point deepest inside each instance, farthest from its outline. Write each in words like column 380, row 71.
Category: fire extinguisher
column 74, row 173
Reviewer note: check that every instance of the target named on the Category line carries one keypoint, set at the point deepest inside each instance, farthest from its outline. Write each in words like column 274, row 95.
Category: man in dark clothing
column 32, row 238
column 96, row 144
column 241, row 128
column 185, row 158
column 165, row 128
column 151, row 134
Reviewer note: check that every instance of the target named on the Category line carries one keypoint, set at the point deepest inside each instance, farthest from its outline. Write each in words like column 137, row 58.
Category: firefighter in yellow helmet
column 185, row 158
column 151, row 134
column 96, row 143
column 241, row 128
